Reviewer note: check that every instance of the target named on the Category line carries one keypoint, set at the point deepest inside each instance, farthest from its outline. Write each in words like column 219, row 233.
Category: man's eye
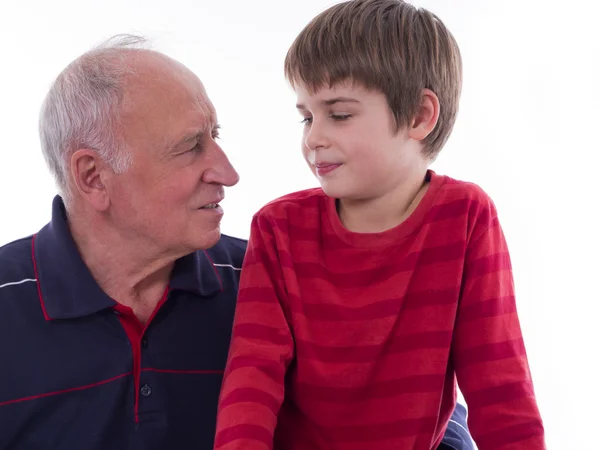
column 215, row 132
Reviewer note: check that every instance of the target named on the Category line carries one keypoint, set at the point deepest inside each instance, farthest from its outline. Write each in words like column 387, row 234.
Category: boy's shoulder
column 302, row 202
column 466, row 202
column 466, row 193
column 452, row 194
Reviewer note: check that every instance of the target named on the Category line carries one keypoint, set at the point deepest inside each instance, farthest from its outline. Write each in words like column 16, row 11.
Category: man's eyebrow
column 331, row 101
column 195, row 135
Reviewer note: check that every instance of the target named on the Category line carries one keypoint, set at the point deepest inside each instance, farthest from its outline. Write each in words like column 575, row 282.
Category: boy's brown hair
column 387, row 45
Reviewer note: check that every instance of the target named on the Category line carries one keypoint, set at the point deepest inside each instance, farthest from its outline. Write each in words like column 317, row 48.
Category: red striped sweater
column 355, row 341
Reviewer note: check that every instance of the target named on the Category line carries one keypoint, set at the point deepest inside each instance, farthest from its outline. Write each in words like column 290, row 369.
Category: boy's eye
column 340, row 117
column 336, row 117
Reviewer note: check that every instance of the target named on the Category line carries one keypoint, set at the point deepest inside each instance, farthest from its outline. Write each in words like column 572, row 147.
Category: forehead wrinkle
column 206, row 109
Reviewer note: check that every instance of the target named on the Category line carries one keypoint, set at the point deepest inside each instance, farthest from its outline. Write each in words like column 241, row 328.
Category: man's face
column 169, row 197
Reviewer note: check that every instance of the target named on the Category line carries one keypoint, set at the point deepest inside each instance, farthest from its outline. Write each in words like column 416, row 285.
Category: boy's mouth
column 326, row 168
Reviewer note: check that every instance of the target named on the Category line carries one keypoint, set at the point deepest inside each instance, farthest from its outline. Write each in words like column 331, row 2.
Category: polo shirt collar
column 196, row 273
column 66, row 286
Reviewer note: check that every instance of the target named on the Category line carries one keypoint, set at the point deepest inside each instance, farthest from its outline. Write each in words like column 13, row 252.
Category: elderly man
column 115, row 318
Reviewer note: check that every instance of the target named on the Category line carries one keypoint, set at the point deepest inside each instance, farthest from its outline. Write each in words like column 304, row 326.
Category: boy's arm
column 488, row 350
column 260, row 351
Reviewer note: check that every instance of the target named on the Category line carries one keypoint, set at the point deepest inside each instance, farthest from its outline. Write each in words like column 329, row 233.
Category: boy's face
column 351, row 144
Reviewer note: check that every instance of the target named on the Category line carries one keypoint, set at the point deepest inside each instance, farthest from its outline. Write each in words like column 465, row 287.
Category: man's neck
column 383, row 213
column 130, row 272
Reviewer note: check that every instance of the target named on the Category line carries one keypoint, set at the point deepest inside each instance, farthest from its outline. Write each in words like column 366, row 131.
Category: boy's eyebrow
column 331, row 101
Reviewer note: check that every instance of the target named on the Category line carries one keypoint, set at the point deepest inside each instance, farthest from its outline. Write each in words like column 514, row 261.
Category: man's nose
column 221, row 171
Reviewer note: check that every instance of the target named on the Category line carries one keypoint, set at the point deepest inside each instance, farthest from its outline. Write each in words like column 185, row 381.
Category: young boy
column 363, row 302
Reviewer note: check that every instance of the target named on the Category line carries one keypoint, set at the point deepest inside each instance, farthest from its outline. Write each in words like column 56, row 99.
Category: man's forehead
column 166, row 102
column 202, row 114
column 205, row 106
column 165, row 87
column 156, row 74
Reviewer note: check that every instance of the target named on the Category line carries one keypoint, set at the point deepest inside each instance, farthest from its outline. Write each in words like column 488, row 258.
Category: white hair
column 81, row 109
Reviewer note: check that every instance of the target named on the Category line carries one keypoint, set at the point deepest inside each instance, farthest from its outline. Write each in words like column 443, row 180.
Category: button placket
column 146, row 390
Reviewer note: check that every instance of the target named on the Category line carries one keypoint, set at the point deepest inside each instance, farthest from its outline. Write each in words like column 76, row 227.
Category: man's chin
column 207, row 239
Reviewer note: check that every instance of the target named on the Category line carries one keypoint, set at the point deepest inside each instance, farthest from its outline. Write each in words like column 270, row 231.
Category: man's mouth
column 210, row 206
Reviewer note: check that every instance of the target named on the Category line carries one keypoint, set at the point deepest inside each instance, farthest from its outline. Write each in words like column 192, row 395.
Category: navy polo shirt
column 79, row 371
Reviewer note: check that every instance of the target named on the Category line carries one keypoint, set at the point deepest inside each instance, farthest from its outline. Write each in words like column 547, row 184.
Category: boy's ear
column 88, row 171
column 427, row 116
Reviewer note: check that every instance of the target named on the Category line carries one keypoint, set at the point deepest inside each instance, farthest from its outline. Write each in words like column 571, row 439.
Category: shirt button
column 144, row 343
column 146, row 390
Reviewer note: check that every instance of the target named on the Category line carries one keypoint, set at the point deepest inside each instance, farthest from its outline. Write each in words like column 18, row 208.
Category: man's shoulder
column 16, row 262
column 16, row 247
column 231, row 244
column 229, row 250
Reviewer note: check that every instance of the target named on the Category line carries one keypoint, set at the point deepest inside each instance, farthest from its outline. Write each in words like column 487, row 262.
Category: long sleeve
column 261, row 349
column 488, row 350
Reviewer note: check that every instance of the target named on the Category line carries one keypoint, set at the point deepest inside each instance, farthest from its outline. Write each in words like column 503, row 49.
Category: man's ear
column 89, row 171
column 427, row 116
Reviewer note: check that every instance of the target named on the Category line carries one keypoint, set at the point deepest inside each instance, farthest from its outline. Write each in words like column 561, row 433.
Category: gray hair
column 81, row 109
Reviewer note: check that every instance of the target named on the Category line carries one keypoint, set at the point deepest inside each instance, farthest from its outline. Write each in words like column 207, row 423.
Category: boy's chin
column 329, row 190
column 347, row 193
column 335, row 191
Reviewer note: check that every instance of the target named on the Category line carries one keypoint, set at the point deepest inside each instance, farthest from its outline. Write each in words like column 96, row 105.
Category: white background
column 527, row 133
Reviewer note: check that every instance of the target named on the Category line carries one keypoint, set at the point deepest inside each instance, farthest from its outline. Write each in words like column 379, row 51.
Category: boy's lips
column 324, row 168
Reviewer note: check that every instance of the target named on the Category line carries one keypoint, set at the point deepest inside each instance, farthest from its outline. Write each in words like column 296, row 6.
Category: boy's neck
column 385, row 212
